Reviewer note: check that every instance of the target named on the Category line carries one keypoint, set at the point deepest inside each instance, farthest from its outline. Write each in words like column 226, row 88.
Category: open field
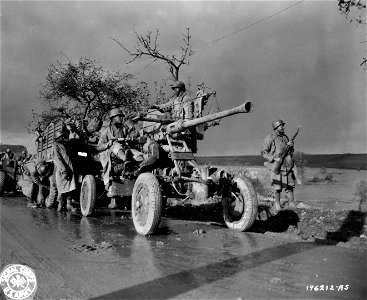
column 335, row 195
column 340, row 161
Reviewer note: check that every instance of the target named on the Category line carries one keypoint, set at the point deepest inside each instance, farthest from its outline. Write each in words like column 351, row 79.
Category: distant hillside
column 17, row 149
column 340, row 161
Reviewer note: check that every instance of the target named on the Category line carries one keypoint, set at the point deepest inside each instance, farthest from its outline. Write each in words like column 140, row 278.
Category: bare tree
column 346, row 7
column 147, row 45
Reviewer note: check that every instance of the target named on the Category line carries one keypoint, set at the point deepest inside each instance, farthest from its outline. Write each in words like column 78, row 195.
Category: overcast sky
column 300, row 65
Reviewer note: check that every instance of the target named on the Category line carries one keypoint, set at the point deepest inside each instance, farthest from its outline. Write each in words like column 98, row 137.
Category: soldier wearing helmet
column 111, row 148
column 9, row 158
column 273, row 145
column 23, row 157
column 9, row 155
column 179, row 105
column 35, row 177
column 64, row 171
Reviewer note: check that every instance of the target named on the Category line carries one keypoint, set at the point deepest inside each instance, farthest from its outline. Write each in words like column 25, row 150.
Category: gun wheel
column 146, row 204
column 88, row 195
column 239, row 204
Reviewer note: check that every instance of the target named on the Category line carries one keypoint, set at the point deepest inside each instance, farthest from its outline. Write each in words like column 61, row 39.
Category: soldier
column 35, row 176
column 179, row 105
column 23, row 158
column 8, row 160
column 9, row 154
column 65, row 180
column 111, row 148
column 150, row 154
column 273, row 145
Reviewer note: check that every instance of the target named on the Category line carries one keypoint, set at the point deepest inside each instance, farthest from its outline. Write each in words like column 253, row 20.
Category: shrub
column 323, row 170
column 315, row 178
column 329, row 177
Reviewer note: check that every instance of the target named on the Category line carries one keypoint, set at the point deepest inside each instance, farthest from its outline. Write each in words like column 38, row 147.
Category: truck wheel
column 2, row 182
column 88, row 195
column 146, row 204
column 52, row 196
column 239, row 204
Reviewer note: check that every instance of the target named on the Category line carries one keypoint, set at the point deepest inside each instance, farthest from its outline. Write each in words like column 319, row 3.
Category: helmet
column 8, row 151
column 60, row 133
column 43, row 169
column 115, row 112
column 24, row 152
column 277, row 123
column 178, row 84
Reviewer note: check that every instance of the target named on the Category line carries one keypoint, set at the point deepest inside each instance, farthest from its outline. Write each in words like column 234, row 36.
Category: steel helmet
column 24, row 152
column 43, row 169
column 8, row 151
column 178, row 84
column 60, row 133
column 115, row 112
column 277, row 123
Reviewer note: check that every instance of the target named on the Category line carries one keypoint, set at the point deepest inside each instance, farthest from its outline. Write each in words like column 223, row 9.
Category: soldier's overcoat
column 273, row 146
column 63, row 166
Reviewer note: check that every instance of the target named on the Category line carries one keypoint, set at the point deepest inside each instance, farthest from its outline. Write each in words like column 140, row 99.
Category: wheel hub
column 142, row 205
column 235, row 205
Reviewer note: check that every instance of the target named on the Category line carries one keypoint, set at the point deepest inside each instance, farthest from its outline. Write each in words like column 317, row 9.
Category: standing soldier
column 65, row 180
column 111, row 148
column 274, row 145
column 179, row 105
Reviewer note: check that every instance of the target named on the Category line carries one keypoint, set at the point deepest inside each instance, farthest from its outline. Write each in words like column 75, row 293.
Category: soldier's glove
column 110, row 143
column 277, row 159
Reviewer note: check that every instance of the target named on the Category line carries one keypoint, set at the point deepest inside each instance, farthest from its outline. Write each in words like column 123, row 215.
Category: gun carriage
column 174, row 172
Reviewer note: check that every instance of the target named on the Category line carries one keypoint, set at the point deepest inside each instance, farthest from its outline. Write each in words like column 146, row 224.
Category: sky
column 296, row 61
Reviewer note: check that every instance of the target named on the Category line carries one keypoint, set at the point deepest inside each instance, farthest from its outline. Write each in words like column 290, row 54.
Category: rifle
column 283, row 154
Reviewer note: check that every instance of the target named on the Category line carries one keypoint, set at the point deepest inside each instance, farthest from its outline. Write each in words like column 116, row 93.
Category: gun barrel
column 184, row 124
column 156, row 120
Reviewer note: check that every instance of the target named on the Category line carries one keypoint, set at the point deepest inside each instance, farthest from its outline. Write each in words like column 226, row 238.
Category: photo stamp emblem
column 18, row 282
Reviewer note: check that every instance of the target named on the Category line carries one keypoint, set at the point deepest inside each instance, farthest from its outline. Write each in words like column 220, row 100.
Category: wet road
column 103, row 258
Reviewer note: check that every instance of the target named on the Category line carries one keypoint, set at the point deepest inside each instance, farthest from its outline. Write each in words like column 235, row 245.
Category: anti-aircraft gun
column 175, row 173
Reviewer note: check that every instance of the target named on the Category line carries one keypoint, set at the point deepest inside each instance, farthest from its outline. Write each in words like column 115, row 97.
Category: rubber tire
column 52, row 195
column 2, row 182
column 146, row 188
column 88, row 195
column 248, row 216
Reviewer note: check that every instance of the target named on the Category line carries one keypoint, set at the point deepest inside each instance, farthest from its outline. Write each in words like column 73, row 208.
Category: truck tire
column 88, row 195
column 239, row 204
column 2, row 182
column 146, row 204
column 52, row 196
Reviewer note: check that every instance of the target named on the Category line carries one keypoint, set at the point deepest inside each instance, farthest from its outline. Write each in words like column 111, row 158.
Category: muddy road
column 103, row 258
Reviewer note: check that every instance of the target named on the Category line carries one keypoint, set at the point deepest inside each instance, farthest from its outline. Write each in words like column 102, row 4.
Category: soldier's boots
column 65, row 205
column 290, row 199
column 69, row 207
column 32, row 204
column 276, row 204
column 62, row 203
column 112, row 204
